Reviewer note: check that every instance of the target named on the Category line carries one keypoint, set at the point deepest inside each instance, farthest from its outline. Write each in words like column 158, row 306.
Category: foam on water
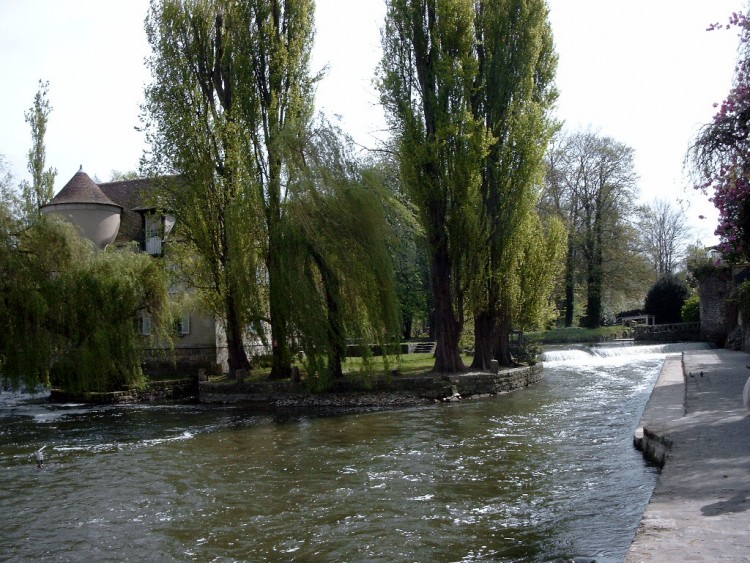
column 582, row 353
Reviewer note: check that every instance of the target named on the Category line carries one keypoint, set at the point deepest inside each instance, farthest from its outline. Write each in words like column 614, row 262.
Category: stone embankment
column 395, row 391
column 154, row 391
column 696, row 426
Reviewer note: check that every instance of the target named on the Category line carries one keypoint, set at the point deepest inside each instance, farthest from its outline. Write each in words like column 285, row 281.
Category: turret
column 82, row 203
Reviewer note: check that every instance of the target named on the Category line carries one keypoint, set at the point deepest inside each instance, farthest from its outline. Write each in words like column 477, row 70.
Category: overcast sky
column 644, row 72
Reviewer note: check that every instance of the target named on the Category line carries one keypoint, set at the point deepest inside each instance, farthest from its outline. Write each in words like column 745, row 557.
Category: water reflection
column 531, row 476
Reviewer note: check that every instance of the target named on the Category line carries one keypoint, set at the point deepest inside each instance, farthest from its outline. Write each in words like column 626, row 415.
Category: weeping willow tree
column 68, row 312
column 513, row 97
column 426, row 81
column 342, row 273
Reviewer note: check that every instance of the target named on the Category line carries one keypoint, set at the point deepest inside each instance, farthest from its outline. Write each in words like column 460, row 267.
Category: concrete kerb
column 696, row 424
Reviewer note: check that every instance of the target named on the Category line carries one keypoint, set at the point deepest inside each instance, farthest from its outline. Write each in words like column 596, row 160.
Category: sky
column 643, row 72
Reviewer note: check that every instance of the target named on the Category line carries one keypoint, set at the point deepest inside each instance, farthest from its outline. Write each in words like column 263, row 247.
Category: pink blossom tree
column 720, row 154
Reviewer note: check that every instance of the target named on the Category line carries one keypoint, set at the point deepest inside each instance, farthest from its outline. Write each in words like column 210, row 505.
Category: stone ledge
column 381, row 392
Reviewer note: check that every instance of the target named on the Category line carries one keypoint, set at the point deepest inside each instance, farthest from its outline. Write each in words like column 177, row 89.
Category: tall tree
column 513, row 98
column 594, row 185
column 342, row 273
column 41, row 189
column 230, row 98
column 560, row 200
column 195, row 129
column 276, row 93
column 665, row 234
column 426, row 81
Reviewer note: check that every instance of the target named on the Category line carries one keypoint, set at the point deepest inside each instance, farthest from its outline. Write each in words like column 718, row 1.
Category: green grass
column 578, row 334
column 406, row 364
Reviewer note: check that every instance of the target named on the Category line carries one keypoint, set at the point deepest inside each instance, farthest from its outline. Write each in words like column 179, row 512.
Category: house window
column 182, row 325
column 144, row 324
column 154, row 229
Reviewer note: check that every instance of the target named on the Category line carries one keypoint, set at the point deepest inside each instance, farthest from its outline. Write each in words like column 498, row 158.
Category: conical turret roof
column 81, row 189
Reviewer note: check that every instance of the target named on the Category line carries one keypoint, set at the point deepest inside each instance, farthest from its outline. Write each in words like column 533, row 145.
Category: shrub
column 691, row 312
column 665, row 299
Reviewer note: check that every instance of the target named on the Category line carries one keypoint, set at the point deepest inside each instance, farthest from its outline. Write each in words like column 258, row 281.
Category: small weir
column 543, row 473
column 585, row 352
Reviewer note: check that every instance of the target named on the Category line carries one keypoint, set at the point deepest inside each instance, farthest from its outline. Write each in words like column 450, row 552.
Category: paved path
column 700, row 508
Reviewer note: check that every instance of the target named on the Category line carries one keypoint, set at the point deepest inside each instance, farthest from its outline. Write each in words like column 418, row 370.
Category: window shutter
column 185, row 325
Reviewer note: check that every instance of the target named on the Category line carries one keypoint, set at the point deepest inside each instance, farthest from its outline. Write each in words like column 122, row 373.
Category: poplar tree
column 195, row 129
column 41, row 189
column 513, row 97
column 230, row 98
column 426, row 81
column 276, row 94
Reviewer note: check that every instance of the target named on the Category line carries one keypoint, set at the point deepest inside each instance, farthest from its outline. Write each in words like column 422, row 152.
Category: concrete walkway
column 695, row 423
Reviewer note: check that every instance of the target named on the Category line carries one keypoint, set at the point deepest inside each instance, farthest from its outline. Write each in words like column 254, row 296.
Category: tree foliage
column 664, row 234
column 342, row 271
column 68, row 312
column 406, row 244
column 41, row 189
column 665, row 299
column 426, row 81
column 591, row 184
column 229, row 103
column 512, row 98
column 691, row 310
column 720, row 154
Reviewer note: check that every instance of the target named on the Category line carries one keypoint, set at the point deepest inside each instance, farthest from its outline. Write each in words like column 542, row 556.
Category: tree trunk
column 484, row 340
column 447, row 328
column 594, row 291
column 281, row 360
column 502, row 342
column 407, row 322
column 570, row 284
column 236, row 355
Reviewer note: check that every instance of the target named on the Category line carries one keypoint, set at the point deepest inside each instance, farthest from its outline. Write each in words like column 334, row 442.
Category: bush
column 665, row 299
column 691, row 311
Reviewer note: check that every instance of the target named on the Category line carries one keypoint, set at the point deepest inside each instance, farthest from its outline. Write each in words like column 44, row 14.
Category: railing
column 673, row 331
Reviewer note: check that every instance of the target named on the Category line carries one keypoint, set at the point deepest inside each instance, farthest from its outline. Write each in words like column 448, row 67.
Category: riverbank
column 697, row 427
column 380, row 392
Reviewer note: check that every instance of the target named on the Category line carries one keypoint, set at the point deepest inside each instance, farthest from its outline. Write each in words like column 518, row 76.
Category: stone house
column 120, row 214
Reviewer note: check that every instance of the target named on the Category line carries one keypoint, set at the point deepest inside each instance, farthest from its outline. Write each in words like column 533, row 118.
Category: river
column 538, row 474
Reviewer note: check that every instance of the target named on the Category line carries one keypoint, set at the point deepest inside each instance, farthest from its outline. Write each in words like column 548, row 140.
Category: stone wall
column 154, row 391
column 380, row 392
column 718, row 315
column 182, row 361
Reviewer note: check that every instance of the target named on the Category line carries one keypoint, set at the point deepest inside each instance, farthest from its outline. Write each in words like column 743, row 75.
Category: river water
column 538, row 474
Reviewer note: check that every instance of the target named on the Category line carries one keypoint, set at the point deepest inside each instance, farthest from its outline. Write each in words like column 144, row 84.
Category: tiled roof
column 131, row 195
column 134, row 196
column 81, row 189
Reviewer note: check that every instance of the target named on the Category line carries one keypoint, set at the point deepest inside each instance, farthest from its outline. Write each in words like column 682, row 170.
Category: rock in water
column 746, row 394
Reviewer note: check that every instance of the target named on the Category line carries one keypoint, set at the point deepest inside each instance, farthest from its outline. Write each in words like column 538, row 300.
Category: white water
column 589, row 353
